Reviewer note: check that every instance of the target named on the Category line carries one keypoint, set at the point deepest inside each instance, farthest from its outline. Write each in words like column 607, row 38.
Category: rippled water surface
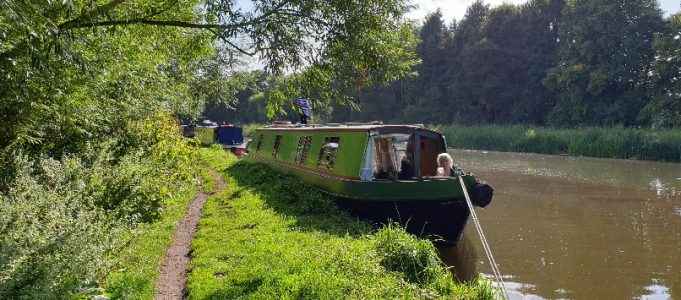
column 577, row 228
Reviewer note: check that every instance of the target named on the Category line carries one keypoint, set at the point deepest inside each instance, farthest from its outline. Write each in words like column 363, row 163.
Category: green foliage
column 249, row 129
column 546, row 62
column 415, row 259
column 88, row 145
column 61, row 90
column 486, row 68
column 615, row 142
column 269, row 236
column 54, row 240
column 63, row 220
column 603, row 58
column 664, row 108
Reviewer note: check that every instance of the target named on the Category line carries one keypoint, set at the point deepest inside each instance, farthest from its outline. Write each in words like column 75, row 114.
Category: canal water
column 575, row 227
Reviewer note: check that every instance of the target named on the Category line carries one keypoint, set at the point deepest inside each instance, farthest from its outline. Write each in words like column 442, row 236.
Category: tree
column 425, row 94
column 604, row 52
column 462, row 103
column 117, row 59
column 495, row 64
column 539, row 34
column 664, row 108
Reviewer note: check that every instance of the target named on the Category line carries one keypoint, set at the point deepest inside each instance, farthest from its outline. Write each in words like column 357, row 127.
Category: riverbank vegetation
column 269, row 236
column 63, row 219
column 614, row 142
column 93, row 171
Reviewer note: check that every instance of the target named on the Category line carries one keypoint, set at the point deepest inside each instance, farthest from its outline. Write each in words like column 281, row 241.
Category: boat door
column 430, row 145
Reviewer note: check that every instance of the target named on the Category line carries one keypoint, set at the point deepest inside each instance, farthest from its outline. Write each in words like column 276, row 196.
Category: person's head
column 444, row 160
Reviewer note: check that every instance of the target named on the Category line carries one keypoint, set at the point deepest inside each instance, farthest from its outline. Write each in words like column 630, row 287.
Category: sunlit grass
column 139, row 263
column 267, row 236
column 208, row 182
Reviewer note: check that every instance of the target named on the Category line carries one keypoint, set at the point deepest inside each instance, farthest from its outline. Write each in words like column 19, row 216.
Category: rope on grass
column 485, row 245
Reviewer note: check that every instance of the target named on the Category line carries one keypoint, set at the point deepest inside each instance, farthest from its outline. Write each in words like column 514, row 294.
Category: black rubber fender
column 482, row 194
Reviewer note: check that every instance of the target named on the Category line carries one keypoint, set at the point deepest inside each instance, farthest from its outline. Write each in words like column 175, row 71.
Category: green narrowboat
column 376, row 172
column 207, row 132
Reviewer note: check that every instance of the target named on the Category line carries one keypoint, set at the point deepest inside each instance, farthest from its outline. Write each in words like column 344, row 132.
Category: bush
column 64, row 219
column 54, row 239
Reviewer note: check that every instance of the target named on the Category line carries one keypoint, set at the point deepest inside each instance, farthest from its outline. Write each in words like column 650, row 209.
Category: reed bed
column 614, row 142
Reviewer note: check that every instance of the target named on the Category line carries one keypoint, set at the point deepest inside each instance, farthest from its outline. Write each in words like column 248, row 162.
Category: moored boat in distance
column 207, row 132
column 376, row 172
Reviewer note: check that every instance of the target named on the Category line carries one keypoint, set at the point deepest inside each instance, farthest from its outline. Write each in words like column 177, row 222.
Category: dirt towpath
column 173, row 278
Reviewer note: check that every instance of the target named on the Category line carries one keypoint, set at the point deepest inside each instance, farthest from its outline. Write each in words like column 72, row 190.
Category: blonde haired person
column 446, row 166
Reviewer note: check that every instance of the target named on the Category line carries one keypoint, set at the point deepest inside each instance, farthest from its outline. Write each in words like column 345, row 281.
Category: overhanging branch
column 69, row 25
column 94, row 13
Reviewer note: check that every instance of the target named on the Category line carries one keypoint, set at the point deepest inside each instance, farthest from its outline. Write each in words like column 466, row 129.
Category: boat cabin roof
column 346, row 127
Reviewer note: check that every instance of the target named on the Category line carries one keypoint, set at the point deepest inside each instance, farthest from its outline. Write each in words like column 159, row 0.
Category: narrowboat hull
column 432, row 207
column 439, row 221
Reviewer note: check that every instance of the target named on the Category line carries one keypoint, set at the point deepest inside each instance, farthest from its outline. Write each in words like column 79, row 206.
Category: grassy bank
column 634, row 143
column 268, row 236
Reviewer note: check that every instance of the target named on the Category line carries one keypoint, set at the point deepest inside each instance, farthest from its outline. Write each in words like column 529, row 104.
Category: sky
column 457, row 8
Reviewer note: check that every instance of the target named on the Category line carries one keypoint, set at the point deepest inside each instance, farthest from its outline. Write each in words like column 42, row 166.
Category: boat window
column 277, row 142
column 257, row 147
column 327, row 154
column 303, row 148
column 394, row 157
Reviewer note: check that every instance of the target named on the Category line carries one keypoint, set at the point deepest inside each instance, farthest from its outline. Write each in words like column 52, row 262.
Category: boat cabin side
column 367, row 154
column 399, row 154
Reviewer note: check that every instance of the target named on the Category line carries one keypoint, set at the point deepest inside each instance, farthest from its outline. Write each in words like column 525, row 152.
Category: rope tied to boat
column 483, row 240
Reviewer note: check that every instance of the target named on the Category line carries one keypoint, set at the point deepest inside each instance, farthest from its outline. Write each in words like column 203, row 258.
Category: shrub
column 64, row 219
column 54, row 240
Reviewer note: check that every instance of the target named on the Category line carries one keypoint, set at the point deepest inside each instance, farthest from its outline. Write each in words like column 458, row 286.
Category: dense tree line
column 546, row 62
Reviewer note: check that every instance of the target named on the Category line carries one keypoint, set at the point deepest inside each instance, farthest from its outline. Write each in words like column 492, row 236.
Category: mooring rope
column 485, row 245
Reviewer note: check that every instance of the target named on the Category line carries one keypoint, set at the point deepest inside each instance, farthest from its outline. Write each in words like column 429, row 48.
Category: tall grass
column 614, row 142
column 268, row 236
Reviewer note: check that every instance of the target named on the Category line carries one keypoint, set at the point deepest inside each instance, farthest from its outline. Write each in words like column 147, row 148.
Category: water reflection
column 580, row 228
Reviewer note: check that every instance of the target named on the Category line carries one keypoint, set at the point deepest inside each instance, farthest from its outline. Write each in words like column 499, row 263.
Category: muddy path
column 172, row 280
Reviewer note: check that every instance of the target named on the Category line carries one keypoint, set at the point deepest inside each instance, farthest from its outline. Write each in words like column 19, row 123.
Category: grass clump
column 269, row 236
column 614, row 142
column 400, row 252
